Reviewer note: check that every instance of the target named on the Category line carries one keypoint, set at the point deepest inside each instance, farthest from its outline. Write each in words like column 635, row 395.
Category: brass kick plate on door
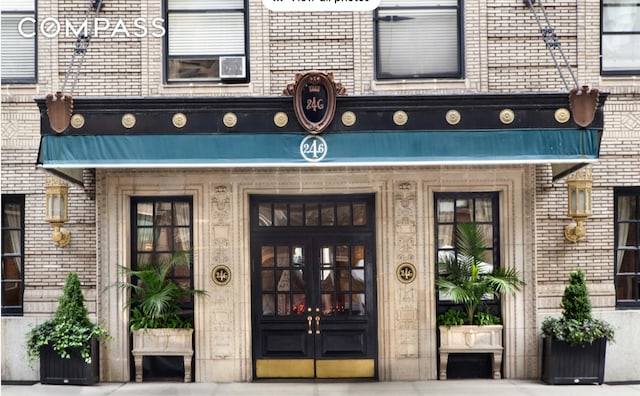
column 350, row 368
column 284, row 368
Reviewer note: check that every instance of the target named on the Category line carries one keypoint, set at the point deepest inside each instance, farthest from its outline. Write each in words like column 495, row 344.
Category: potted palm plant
column 156, row 324
column 468, row 280
column 67, row 345
column 574, row 345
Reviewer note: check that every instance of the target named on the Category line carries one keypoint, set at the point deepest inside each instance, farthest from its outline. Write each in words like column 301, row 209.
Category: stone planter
column 563, row 364
column 471, row 339
column 162, row 342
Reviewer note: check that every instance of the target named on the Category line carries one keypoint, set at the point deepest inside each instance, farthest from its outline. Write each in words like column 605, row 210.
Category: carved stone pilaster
column 221, row 225
column 222, row 324
column 405, row 250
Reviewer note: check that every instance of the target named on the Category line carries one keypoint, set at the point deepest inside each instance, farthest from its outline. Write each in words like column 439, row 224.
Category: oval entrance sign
column 314, row 99
column 313, row 148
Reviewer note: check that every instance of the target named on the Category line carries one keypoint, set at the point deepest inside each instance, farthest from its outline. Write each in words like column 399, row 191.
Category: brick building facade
column 502, row 53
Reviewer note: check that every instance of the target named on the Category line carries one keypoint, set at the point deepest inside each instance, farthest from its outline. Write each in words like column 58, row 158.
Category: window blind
column 17, row 53
column 206, row 33
column 202, row 5
column 417, row 42
column 418, row 3
column 17, row 5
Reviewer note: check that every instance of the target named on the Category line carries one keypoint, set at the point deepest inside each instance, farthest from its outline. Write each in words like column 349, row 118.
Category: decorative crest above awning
column 314, row 99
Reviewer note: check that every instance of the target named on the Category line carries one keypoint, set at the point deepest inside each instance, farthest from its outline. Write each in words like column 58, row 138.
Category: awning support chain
column 552, row 42
column 81, row 45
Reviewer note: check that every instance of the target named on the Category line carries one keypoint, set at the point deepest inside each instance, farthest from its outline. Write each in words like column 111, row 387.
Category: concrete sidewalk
column 450, row 388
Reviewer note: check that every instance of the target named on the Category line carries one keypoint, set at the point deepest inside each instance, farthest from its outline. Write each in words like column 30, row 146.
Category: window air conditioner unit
column 232, row 67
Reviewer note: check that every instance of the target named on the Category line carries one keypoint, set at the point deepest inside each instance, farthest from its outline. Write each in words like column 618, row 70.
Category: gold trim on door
column 351, row 368
column 285, row 368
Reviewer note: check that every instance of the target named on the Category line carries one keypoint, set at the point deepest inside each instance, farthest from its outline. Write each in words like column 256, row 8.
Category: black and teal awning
column 376, row 148
column 539, row 130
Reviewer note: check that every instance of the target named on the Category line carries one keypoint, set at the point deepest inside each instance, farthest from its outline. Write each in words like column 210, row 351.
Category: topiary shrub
column 576, row 303
column 70, row 327
column 577, row 326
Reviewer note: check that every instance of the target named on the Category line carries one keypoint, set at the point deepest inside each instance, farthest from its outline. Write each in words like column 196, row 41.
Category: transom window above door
column 418, row 39
column 206, row 41
column 313, row 213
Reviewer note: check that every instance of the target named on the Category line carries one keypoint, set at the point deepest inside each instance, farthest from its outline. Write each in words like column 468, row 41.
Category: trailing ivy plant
column 577, row 326
column 70, row 328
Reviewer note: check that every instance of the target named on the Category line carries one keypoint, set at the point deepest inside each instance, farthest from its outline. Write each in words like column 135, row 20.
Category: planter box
column 55, row 370
column 471, row 339
column 162, row 342
column 566, row 364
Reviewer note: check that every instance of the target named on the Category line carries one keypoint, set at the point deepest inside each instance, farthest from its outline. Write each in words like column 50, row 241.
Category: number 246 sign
column 313, row 148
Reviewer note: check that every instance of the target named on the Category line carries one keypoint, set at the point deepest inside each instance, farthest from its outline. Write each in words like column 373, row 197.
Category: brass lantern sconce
column 579, row 187
column 57, row 192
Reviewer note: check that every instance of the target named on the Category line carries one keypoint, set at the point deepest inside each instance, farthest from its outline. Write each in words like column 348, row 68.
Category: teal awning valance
column 556, row 146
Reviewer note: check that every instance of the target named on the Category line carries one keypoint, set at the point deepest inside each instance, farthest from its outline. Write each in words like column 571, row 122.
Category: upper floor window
column 206, row 40
column 418, row 39
column 620, row 44
column 18, row 49
column 12, row 254
column 627, row 246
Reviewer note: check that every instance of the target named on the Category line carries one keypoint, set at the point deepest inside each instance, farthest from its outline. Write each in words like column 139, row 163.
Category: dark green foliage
column 155, row 298
column 576, row 326
column 70, row 328
column 575, row 301
column 464, row 280
column 577, row 333
column 71, row 304
column 452, row 317
column 486, row 318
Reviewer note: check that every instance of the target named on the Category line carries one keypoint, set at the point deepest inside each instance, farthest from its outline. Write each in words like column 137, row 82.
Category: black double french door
column 313, row 287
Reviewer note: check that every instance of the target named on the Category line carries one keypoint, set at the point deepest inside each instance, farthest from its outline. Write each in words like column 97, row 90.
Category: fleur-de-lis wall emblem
column 406, row 272
column 221, row 275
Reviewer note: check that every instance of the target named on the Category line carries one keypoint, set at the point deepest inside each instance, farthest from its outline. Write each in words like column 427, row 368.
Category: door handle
column 309, row 319
column 317, row 324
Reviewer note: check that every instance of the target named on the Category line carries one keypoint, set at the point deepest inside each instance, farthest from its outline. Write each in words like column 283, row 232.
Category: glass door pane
column 342, row 280
column 283, row 280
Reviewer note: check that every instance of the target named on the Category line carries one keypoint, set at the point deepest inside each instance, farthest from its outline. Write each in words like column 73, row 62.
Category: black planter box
column 55, row 370
column 563, row 364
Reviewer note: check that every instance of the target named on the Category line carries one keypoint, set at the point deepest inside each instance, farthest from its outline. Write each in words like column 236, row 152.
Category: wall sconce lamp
column 57, row 192
column 579, row 203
